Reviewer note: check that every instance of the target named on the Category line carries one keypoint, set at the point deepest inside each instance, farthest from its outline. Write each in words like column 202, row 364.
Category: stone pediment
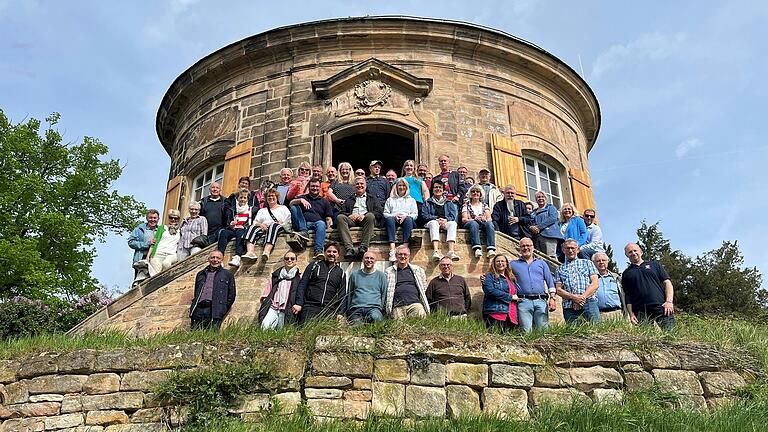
column 371, row 82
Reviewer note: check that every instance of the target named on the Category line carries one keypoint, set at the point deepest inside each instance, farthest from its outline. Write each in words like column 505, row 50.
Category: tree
column 55, row 202
column 713, row 283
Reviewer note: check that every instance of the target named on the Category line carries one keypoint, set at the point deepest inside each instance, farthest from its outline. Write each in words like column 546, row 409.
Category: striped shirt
column 574, row 277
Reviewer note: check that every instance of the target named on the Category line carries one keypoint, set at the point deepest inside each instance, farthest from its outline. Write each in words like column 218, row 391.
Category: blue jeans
column 227, row 234
column 532, row 313
column 391, row 223
column 300, row 224
column 366, row 315
column 589, row 312
column 474, row 234
column 214, row 236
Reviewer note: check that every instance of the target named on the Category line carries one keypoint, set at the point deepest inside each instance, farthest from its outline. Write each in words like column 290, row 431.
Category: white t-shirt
column 281, row 212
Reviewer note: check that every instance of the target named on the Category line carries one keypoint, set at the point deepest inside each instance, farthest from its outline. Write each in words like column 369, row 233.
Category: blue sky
column 682, row 87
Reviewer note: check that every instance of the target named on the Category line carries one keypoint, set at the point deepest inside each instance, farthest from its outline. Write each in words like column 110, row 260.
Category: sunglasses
column 589, row 216
column 289, row 259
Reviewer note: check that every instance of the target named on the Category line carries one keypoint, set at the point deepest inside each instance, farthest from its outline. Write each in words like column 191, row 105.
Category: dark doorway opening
column 362, row 148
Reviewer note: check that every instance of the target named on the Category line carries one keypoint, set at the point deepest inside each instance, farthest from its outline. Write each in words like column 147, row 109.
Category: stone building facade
column 389, row 88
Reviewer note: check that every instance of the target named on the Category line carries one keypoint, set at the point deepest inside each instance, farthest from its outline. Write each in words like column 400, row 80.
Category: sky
column 682, row 89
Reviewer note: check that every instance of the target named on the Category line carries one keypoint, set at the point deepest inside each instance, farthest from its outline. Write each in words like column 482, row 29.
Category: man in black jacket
column 322, row 291
column 214, row 294
column 510, row 216
column 362, row 210
column 214, row 209
column 452, row 184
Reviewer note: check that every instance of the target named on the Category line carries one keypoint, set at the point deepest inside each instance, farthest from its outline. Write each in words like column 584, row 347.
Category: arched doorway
column 363, row 143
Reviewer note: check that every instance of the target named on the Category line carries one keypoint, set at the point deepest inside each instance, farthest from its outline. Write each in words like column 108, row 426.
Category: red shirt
column 500, row 316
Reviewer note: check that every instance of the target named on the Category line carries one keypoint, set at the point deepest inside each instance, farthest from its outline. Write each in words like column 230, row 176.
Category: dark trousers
column 201, row 318
column 227, row 234
column 655, row 314
column 503, row 326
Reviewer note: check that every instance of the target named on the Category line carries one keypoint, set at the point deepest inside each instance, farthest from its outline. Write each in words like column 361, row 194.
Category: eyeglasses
column 173, row 218
column 589, row 216
column 289, row 259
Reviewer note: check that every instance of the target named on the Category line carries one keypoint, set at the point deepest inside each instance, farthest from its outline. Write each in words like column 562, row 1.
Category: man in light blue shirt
column 536, row 289
column 610, row 296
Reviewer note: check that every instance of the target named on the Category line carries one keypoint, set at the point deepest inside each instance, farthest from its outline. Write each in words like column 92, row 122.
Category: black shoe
column 295, row 242
column 304, row 235
column 350, row 254
column 361, row 251
column 415, row 240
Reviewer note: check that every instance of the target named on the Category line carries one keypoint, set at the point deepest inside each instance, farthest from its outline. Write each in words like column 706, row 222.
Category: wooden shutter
column 237, row 163
column 508, row 165
column 173, row 196
column 581, row 188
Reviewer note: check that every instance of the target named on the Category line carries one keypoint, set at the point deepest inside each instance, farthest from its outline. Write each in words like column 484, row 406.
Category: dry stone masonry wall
column 350, row 377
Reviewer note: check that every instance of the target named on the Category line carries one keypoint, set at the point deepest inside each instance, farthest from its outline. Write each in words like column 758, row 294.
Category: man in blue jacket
column 215, row 294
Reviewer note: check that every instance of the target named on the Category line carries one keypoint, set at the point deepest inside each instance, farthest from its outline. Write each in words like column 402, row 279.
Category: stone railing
column 350, row 377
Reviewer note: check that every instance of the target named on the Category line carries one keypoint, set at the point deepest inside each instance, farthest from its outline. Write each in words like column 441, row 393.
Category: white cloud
column 686, row 146
column 650, row 46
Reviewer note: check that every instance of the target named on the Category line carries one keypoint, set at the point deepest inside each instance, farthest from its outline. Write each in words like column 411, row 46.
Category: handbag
column 286, row 225
column 200, row 241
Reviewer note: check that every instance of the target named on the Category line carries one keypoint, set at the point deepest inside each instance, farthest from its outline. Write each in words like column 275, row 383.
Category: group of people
column 518, row 293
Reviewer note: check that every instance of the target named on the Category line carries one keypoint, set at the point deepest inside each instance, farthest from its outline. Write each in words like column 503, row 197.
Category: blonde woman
column 400, row 209
column 298, row 185
column 474, row 215
column 417, row 187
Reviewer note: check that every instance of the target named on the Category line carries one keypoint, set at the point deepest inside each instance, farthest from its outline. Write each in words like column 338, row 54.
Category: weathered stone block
column 506, row 402
column 349, row 364
column 120, row 360
column 357, row 410
column 345, row 343
column 43, row 364
column 421, row 401
column 71, row 403
column 552, row 376
column 113, row 401
column 392, row 370
column 8, row 370
column 637, row 380
column 57, row 384
column 102, row 383
column 536, row 396
column 63, row 421
column 613, row 357
column 106, row 418
column 317, row 393
column 288, row 402
column 607, row 395
column 475, row 375
column 678, row 381
column 286, row 364
column 47, row 397
column 462, row 401
column 175, row 356
column 138, row 427
column 431, row 375
column 148, row 415
column 361, row 384
column 37, row 409
column 358, row 395
column 511, row 376
column 252, row 403
column 327, row 381
column 717, row 384
column 26, row 425
column 659, row 359
column 326, row 407
column 16, row 393
column 143, row 381
column 596, row 376
column 388, row 398
column 77, row 362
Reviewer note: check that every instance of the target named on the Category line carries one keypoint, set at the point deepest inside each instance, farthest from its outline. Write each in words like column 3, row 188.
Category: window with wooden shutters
column 508, row 164
column 202, row 182
column 581, row 188
column 173, row 196
column 542, row 177
column 237, row 163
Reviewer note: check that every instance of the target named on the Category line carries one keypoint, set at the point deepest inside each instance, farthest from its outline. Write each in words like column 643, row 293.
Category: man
column 311, row 211
column 576, row 282
column 362, row 210
column 452, row 185
column 463, row 173
column 535, row 288
column 648, row 289
column 449, row 292
column 215, row 294
column 406, row 288
column 322, row 290
column 492, row 193
column 376, row 184
column 141, row 239
column 162, row 254
column 367, row 292
column 391, row 176
column 510, row 215
column 253, row 196
column 610, row 297
column 317, row 172
column 594, row 242
column 423, row 172
column 286, row 175
column 214, row 209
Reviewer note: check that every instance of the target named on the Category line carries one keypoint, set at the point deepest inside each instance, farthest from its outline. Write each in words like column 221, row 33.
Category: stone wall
column 350, row 377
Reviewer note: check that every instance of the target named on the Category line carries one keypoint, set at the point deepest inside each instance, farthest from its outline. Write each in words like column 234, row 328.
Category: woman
column 417, row 187
column 331, row 174
column 571, row 226
column 163, row 254
column 545, row 230
column 440, row 214
column 298, row 185
column 240, row 217
column 341, row 190
column 359, row 172
column 474, row 215
column 192, row 227
column 400, row 209
column 500, row 296
column 270, row 222
column 280, row 294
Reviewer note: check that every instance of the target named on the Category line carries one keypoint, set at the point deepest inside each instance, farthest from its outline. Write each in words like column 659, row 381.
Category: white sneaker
column 491, row 253
column 392, row 255
column 478, row 253
column 250, row 255
column 453, row 256
column 437, row 256
column 235, row 261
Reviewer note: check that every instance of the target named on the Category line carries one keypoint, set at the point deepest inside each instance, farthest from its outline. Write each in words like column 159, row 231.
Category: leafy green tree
column 55, row 203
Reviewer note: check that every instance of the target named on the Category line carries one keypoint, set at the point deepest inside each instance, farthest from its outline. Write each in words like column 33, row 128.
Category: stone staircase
column 161, row 304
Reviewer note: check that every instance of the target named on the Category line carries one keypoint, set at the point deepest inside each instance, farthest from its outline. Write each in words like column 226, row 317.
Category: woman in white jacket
column 400, row 209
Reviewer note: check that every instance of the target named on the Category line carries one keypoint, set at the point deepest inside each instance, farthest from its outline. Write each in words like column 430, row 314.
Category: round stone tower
column 389, row 88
